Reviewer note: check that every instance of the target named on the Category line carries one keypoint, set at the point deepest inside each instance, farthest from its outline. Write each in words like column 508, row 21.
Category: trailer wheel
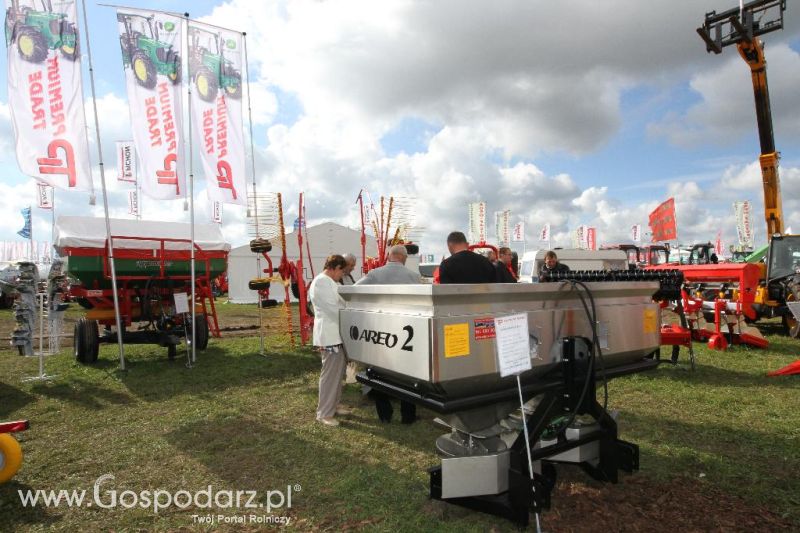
column 201, row 333
column 10, row 457
column 86, row 345
column 790, row 323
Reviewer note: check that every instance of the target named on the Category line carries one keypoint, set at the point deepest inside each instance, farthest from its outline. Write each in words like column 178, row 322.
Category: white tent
column 323, row 240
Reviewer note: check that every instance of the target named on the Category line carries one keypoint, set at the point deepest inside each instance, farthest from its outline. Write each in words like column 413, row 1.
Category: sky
column 566, row 113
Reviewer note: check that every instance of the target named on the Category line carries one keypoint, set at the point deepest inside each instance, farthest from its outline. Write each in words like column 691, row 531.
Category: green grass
column 239, row 421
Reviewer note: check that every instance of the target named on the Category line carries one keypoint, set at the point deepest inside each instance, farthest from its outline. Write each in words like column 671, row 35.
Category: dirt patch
column 641, row 504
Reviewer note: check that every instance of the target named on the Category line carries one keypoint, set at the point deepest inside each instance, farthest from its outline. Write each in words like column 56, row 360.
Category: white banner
column 216, row 212
column 744, row 223
column 126, row 161
column 580, row 237
column 133, row 203
column 45, row 94
column 151, row 55
column 518, row 235
column 544, row 234
column 636, row 233
column 44, row 194
column 477, row 223
column 502, row 222
column 215, row 74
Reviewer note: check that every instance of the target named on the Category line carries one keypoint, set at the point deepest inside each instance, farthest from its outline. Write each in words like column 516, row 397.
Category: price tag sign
column 181, row 302
column 513, row 344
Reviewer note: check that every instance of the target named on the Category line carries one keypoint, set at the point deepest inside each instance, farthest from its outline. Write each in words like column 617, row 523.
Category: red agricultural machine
column 290, row 274
column 153, row 271
column 381, row 225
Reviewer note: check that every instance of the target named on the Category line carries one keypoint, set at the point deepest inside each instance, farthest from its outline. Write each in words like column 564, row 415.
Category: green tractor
column 208, row 67
column 37, row 31
column 144, row 53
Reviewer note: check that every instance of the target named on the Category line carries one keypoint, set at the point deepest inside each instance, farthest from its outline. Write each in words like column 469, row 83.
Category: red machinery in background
column 10, row 450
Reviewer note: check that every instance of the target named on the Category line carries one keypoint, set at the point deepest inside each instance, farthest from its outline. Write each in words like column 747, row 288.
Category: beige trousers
column 330, row 380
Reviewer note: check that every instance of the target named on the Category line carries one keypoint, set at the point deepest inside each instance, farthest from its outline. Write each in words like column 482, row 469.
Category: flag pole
column 255, row 199
column 191, row 208
column 105, row 195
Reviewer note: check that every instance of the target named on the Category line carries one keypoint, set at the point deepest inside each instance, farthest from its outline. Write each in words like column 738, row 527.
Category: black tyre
column 201, row 333
column 206, row 84
column 85, row 339
column 172, row 351
column 790, row 324
column 31, row 45
column 175, row 72
column 69, row 41
column 233, row 88
column 296, row 290
column 143, row 69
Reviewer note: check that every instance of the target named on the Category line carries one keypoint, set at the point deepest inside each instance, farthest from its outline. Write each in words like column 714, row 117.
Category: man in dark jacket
column 551, row 264
column 464, row 265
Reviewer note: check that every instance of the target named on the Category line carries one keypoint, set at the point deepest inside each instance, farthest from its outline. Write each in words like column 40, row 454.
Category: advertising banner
column 662, row 223
column 133, row 203
column 151, row 56
column 45, row 94
column 215, row 60
column 636, row 233
column 744, row 223
column 216, row 212
column 126, row 161
column 591, row 238
column 477, row 222
column 502, row 221
column 518, row 235
column 44, row 195
column 544, row 234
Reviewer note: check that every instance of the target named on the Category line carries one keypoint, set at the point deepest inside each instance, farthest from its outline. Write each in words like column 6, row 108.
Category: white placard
column 513, row 344
column 181, row 302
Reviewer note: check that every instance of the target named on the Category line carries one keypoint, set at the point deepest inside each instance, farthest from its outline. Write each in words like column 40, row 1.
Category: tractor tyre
column 175, row 74
column 172, row 351
column 206, row 84
column 94, row 339
column 10, row 457
column 790, row 324
column 296, row 289
column 143, row 69
column 69, row 41
column 234, row 88
column 31, row 45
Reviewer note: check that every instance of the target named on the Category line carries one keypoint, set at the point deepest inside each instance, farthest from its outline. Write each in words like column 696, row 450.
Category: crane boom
column 742, row 26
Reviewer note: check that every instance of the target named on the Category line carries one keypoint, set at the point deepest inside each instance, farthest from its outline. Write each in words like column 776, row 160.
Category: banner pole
column 33, row 253
column 105, row 195
column 191, row 205
column 255, row 200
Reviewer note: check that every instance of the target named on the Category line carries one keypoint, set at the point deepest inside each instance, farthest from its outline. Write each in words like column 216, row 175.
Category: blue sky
column 584, row 119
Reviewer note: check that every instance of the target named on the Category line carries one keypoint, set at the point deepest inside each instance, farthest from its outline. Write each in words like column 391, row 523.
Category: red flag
column 591, row 238
column 662, row 222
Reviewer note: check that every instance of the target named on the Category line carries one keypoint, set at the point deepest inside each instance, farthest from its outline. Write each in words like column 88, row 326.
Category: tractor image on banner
column 144, row 53
column 209, row 68
column 36, row 29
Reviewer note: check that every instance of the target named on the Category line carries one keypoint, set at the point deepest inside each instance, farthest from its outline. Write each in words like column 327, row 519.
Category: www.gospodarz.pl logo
column 159, row 499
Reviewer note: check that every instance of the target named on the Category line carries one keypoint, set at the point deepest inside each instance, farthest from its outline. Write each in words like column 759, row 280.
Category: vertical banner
column 151, row 56
column 744, row 226
column 216, row 212
column 133, row 203
column 215, row 72
column 518, row 235
column 580, row 237
column 544, row 235
column 662, row 222
column 477, row 222
column 502, row 227
column 44, row 194
column 718, row 245
column 45, row 94
column 126, row 161
column 591, row 238
column 636, row 233
column 25, row 232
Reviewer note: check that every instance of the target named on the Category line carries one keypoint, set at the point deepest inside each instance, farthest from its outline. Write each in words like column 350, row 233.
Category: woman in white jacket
column 324, row 294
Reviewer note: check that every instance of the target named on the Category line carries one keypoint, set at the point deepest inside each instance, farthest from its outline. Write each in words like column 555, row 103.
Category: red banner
column 662, row 222
column 591, row 238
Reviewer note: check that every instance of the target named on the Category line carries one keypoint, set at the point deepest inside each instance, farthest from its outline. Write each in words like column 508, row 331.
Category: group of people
column 463, row 266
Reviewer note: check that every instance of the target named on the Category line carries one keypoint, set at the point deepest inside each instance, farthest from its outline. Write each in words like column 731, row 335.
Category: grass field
column 240, row 421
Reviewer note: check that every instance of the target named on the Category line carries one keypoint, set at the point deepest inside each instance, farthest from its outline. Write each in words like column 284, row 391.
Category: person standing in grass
column 324, row 294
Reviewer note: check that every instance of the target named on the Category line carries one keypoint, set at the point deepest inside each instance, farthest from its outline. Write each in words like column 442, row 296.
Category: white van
column 575, row 259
